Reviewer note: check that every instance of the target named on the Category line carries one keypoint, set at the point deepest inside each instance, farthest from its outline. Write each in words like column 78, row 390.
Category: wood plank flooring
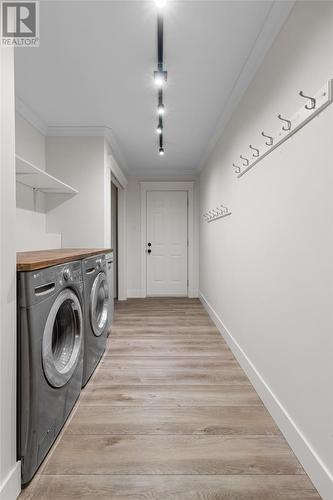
column 169, row 414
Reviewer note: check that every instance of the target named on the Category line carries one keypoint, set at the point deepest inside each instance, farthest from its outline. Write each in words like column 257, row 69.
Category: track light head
column 160, row 77
column 161, row 109
column 160, row 3
column 161, row 151
column 159, row 128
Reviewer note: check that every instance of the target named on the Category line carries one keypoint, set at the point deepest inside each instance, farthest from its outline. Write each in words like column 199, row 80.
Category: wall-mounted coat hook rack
column 304, row 115
column 237, row 168
column 217, row 213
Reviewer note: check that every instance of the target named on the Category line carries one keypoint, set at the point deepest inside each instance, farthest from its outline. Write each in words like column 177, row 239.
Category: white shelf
column 36, row 178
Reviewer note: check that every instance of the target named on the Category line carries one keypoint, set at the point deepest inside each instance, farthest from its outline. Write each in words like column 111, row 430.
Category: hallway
column 169, row 413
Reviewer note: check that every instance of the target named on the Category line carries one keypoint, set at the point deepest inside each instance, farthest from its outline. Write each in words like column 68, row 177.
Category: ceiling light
column 161, row 151
column 160, row 3
column 160, row 77
column 161, row 109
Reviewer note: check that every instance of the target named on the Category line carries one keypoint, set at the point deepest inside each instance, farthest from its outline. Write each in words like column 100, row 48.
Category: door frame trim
column 187, row 186
column 119, row 179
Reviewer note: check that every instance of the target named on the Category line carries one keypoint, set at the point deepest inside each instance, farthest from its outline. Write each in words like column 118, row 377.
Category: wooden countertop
column 30, row 261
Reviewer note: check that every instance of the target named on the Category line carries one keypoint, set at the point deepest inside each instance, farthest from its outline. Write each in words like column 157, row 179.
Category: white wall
column 79, row 162
column 10, row 472
column 266, row 271
column 133, row 211
column 31, row 205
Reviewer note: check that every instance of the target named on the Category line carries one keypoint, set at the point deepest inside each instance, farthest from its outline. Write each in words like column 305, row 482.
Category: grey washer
column 97, row 304
column 50, row 357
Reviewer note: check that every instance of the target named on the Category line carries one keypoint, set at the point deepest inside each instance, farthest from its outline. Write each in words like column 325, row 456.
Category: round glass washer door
column 62, row 338
column 99, row 304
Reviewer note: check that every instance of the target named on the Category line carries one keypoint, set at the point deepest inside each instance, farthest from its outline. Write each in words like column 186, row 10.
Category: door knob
column 149, row 250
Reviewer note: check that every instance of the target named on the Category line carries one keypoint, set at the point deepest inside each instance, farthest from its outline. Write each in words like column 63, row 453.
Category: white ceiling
column 95, row 63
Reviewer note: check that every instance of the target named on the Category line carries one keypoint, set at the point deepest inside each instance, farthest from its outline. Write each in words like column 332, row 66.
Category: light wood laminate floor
column 169, row 414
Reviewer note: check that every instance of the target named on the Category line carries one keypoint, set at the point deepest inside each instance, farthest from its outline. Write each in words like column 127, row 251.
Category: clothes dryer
column 97, row 304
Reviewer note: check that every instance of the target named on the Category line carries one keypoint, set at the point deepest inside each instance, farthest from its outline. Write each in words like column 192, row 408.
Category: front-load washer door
column 62, row 338
column 99, row 304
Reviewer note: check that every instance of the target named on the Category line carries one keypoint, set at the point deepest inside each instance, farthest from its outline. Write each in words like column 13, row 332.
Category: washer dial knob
column 66, row 274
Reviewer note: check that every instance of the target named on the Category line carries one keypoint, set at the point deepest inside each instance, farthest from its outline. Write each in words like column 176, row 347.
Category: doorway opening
column 167, row 239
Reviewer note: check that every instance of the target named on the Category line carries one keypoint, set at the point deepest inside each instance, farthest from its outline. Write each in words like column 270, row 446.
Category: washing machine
column 50, row 357
column 98, row 308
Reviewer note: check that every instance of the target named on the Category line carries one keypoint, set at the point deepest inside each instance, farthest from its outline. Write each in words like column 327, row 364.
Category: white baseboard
column 11, row 486
column 314, row 467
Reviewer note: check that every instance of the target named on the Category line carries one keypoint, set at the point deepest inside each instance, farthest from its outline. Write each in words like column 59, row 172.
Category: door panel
column 167, row 233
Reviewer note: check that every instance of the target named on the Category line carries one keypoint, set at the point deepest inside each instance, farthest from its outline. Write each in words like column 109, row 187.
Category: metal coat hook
column 256, row 151
column 311, row 99
column 245, row 160
column 270, row 143
column 237, row 168
column 288, row 122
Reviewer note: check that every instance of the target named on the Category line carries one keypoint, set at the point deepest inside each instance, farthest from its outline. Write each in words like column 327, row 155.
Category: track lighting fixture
column 160, row 76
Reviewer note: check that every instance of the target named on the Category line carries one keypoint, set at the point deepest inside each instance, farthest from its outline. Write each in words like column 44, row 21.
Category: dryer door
column 99, row 304
column 62, row 338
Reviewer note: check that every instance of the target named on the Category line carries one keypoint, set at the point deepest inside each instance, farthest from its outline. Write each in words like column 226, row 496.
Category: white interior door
column 166, row 245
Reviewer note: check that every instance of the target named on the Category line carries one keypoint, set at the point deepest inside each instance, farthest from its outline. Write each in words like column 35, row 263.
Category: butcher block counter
column 30, row 261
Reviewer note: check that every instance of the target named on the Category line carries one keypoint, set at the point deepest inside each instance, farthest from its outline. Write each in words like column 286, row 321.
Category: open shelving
column 36, row 178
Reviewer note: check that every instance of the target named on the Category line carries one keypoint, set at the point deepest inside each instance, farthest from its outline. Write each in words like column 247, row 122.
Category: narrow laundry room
column 166, row 250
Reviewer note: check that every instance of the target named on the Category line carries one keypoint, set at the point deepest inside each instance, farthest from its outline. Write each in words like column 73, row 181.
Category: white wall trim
column 272, row 25
column 11, row 487
column 315, row 468
column 30, row 116
column 168, row 186
column 117, row 176
column 118, row 173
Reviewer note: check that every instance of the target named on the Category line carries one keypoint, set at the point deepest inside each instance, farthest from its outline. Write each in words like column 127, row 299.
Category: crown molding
column 274, row 21
column 29, row 115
